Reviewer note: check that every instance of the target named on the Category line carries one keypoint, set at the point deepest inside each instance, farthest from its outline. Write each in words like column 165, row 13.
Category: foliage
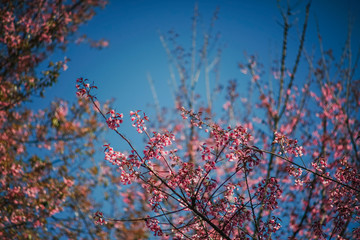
column 46, row 184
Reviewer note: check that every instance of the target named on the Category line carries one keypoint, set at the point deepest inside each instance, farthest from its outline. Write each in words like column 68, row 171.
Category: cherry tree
column 46, row 185
column 281, row 162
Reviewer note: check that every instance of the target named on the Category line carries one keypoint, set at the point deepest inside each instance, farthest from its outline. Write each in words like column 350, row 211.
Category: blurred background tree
column 47, row 183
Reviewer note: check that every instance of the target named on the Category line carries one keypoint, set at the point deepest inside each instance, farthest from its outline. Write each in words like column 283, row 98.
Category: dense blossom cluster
column 99, row 218
column 288, row 145
column 293, row 171
column 192, row 187
column 138, row 121
column 114, row 120
column 319, row 164
column 269, row 227
column 156, row 146
column 268, row 192
column 153, row 225
column 297, row 173
column 127, row 164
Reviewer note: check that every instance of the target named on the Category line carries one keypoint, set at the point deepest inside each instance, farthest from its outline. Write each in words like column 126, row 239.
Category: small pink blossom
column 153, row 225
column 138, row 121
column 114, row 120
column 99, row 218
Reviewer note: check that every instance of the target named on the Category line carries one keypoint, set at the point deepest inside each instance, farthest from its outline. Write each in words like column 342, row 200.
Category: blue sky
column 135, row 49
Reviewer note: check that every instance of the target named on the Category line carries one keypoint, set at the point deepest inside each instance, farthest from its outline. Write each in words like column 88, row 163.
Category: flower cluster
column 208, row 157
column 156, row 144
column 267, row 228
column 268, row 192
column 296, row 172
column 153, row 225
column 317, row 229
column 239, row 136
column 195, row 117
column 99, row 218
column 186, row 177
column 84, row 88
column 116, row 158
column 127, row 164
column 138, row 121
column 319, row 164
column 114, row 120
column 273, row 224
column 288, row 145
column 156, row 199
column 229, row 193
column 293, row 171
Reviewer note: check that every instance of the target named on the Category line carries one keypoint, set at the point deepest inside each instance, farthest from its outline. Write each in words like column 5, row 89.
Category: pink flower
column 99, row 218
column 139, row 122
column 153, row 225
column 114, row 120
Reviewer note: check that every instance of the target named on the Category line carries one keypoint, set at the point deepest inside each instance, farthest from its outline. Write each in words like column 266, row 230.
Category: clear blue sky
column 135, row 49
